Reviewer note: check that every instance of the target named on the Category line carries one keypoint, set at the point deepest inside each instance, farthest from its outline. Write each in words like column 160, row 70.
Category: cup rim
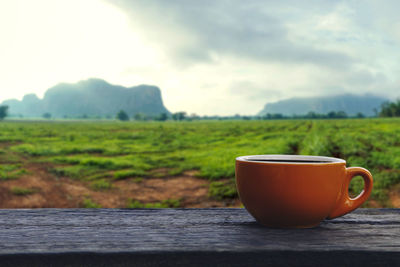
column 290, row 159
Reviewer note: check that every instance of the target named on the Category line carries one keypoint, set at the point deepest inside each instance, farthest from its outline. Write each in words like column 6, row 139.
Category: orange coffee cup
column 297, row 191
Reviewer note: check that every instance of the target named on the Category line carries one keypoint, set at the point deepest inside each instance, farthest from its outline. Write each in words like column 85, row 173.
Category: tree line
column 177, row 116
column 183, row 116
column 390, row 109
column 387, row 109
column 3, row 112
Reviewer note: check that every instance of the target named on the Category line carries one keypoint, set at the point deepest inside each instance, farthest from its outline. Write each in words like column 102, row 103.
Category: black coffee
column 291, row 160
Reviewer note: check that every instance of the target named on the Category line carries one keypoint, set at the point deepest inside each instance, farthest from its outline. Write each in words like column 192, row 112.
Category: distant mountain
column 351, row 104
column 92, row 97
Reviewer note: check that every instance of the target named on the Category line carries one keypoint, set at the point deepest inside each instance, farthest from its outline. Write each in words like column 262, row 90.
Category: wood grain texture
column 222, row 237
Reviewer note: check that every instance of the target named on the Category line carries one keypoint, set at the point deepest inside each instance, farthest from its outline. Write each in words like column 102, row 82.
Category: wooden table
column 199, row 237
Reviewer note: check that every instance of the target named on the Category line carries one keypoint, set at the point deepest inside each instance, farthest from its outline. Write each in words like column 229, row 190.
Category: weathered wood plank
column 192, row 236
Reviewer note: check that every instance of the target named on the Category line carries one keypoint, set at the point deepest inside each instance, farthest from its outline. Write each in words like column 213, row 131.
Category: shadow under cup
column 297, row 191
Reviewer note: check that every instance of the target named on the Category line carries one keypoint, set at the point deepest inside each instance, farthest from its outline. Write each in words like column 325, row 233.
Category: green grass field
column 102, row 152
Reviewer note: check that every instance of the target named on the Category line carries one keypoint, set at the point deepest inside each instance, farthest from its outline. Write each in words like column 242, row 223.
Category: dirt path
column 50, row 191
column 394, row 196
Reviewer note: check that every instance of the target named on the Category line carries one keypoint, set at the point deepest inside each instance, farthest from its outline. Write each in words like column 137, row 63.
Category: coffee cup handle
column 345, row 204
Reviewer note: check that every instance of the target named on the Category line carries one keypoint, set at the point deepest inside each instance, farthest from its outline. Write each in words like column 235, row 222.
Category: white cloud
column 47, row 42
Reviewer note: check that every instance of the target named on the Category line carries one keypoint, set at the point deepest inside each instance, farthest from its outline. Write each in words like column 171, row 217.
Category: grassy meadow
column 102, row 153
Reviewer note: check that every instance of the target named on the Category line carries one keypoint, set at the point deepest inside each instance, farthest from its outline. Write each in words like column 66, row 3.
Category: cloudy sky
column 208, row 57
